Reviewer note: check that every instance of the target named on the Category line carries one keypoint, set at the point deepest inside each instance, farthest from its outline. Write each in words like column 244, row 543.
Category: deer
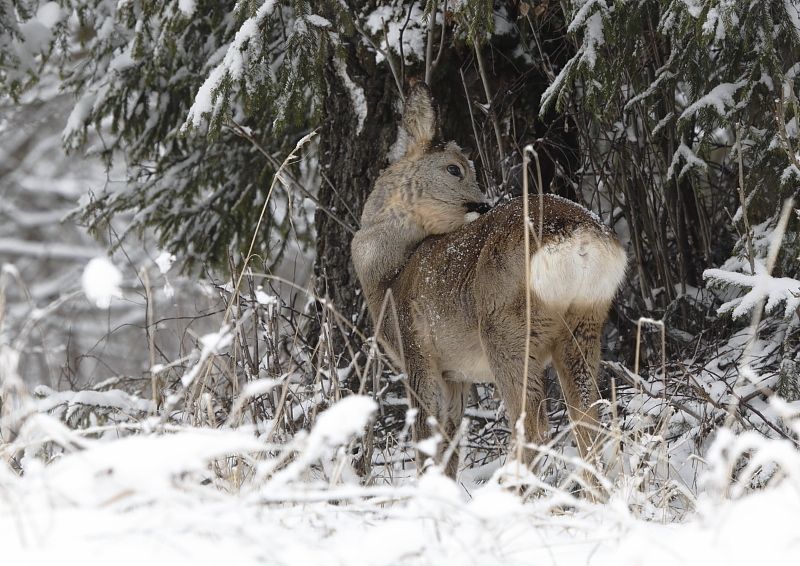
column 444, row 279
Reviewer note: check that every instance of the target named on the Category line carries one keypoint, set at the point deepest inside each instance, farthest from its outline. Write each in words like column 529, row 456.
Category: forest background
column 222, row 152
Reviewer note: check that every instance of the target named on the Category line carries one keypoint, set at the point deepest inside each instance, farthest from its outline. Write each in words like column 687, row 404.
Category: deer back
column 456, row 282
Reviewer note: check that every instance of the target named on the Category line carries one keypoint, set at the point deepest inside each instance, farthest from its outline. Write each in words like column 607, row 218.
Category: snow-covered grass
column 272, row 471
column 189, row 495
column 251, row 450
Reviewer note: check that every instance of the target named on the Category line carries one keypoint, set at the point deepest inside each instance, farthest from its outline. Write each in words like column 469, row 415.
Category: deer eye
column 454, row 170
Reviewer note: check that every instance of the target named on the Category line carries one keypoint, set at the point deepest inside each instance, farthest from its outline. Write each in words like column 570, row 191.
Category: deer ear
column 421, row 117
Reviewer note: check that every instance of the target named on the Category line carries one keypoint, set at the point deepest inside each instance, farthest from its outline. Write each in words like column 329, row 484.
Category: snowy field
column 153, row 499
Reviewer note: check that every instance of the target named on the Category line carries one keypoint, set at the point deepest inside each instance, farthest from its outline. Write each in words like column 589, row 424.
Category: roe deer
column 457, row 285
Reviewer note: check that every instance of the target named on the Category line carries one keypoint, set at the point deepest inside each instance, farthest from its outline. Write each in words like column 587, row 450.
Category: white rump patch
column 471, row 216
column 585, row 269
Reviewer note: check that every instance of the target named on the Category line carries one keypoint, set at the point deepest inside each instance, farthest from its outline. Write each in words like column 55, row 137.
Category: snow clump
column 101, row 280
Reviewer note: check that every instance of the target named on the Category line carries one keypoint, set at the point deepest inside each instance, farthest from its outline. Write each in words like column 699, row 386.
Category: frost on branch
column 250, row 72
column 211, row 100
column 720, row 99
column 398, row 26
column 26, row 39
column 211, row 345
column 774, row 291
column 589, row 20
column 762, row 287
column 334, row 427
column 339, row 423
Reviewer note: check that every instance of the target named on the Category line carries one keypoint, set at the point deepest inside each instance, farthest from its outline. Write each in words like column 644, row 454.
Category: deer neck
column 380, row 252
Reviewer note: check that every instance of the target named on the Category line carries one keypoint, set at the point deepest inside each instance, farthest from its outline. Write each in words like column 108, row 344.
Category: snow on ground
column 150, row 498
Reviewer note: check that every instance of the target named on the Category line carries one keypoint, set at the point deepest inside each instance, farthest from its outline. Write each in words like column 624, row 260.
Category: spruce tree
column 688, row 117
column 204, row 100
column 674, row 120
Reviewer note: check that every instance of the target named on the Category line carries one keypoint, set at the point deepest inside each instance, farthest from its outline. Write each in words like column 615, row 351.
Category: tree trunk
column 352, row 155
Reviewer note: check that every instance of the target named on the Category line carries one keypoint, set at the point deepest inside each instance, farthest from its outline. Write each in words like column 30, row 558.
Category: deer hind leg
column 443, row 401
column 504, row 344
column 576, row 358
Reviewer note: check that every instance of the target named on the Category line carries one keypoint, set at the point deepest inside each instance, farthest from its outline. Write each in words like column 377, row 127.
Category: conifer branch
column 241, row 131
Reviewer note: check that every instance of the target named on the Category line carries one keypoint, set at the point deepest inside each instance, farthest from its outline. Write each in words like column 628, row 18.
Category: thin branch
column 492, row 115
column 341, row 199
column 472, row 121
column 429, row 46
column 400, row 42
column 239, row 130
column 743, row 199
column 441, row 41
column 386, row 55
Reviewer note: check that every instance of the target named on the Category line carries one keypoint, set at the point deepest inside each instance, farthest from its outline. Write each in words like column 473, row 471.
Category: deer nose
column 479, row 207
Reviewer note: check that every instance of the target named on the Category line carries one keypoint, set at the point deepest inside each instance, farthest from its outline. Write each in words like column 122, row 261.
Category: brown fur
column 458, row 289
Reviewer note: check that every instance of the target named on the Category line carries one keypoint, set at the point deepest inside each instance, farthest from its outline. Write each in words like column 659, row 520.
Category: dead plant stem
column 492, row 115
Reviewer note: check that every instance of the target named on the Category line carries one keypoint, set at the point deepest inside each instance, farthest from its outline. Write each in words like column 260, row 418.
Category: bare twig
column 151, row 340
column 400, row 42
column 520, row 425
column 492, row 115
column 743, row 200
column 472, row 121
column 386, row 55
column 441, row 40
column 429, row 47
column 240, row 130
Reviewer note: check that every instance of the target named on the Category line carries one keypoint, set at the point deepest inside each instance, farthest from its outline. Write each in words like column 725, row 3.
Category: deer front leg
column 442, row 401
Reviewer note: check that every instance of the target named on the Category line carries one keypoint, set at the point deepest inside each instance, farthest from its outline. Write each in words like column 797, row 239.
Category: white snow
column 49, row 14
column 692, row 161
column 79, row 115
column 210, row 345
column 695, row 7
column 336, row 425
column 502, row 24
column 60, row 250
column 49, row 400
column 175, row 498
column 317, row 21
column 593, row 38
column 129, row 489
column 394, row 19
column 775, row 291
column 793, row 11
column 357, row 98
column 122, row 61
column 790, row 172
column 720, row 98
column 101, row 280
column 232, row 66
column 214, row 342
column 265, row 299
column 187, row 7
column 589, row 20
column 164, row 261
